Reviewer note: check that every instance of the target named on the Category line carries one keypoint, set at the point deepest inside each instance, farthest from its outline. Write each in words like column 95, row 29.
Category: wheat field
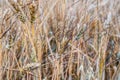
column 59, row 39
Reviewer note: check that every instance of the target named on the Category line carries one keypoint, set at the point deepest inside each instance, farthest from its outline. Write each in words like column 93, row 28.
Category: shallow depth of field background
column 59, row 39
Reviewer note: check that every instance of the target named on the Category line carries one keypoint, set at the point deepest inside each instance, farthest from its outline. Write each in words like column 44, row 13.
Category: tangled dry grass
column 59, row 40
